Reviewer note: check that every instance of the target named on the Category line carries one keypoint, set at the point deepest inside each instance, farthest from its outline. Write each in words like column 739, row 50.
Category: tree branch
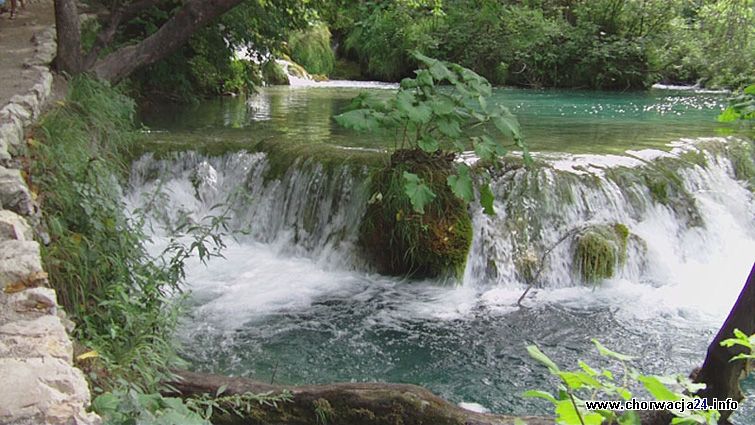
column 118, row 15
column 175, row 32
column 346, row 403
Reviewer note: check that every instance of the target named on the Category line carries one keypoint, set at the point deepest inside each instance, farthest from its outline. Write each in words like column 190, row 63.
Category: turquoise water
column 272, row 310
column 552, row 120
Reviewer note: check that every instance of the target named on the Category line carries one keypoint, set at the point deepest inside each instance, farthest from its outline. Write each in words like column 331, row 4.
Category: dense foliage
column 588, row 383
column 427, row 117
column 600, row 44
column 122, row 298
column 417, row 221
column 209, row 64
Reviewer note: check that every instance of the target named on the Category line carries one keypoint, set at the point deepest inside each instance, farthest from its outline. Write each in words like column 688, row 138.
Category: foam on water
column 296, row 289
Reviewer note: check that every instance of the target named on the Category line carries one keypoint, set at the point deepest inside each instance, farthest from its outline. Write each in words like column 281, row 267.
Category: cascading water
column 294, row 299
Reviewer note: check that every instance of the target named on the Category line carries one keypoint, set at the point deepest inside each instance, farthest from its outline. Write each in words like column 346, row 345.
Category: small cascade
column 293, row 290
column 309, row 210
column 677, row 214
column 668, row 211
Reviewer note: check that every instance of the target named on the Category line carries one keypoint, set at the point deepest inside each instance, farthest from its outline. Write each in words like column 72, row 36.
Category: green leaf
column 449, row 127
column 405, row 103
column 728, row 115
column 419, row 194
column 605, row 352
column 584, row 366
column 358, row 119
column 461, row 183
column 443, row 106
column 630, row 418
column 440, row 72
column 571, row 380
column 425, row 78
column 540, row 394
column 538, row 355
column 105, row 404
column 508, row 125
column 566, row 414
column 408, row 83
column 486, row 200
column 487, row 149
column 657, row 389
column 428, row 144
column 750, row 89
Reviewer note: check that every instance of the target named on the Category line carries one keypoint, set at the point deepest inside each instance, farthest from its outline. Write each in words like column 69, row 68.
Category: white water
column 301, row 259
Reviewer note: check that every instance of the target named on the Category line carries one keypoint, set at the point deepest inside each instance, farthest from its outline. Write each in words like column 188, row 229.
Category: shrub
column 311, row 49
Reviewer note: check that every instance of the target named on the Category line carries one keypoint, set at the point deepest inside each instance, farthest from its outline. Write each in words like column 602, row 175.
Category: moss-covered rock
column 599, row 250
column 311, row 48
column 399, row 241
column 274, row 74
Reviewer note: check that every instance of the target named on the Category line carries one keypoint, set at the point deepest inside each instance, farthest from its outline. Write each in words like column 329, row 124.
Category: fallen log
column 342, row 404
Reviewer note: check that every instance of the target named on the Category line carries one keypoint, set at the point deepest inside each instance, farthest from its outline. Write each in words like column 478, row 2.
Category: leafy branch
column 443, row 109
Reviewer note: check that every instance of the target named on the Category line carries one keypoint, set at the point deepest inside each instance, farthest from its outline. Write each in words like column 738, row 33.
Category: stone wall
column 39, row 383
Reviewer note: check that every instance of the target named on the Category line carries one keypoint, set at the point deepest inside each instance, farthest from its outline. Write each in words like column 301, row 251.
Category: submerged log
column 720, row 375
column 343, row 404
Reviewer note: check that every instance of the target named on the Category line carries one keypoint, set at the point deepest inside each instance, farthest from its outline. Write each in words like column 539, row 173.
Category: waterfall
column 309, row 210
column 681, row 209
column 294, row 291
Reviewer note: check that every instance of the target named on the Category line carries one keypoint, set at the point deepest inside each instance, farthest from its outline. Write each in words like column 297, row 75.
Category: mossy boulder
column 311, row 48
column 599, row 250
column 274, row 74
column 402, row 242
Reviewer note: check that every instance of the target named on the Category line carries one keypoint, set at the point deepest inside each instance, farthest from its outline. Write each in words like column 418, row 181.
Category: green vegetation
column 417, row 221
column 403, row 241
column 311, row 49
column 123, row 300
column 588, row 383
column 599, row 250
column 602, row 44
column 274, row 74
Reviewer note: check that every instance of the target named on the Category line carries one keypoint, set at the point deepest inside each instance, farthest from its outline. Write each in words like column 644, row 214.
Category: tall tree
column 112, row 58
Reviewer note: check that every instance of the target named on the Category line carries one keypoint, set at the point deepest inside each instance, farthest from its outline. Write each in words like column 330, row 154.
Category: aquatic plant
column 431, row 126
column 599, row 250
column 273, row 74
column 402, row 241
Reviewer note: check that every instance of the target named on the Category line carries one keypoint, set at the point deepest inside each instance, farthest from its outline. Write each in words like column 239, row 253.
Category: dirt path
column 16, row 46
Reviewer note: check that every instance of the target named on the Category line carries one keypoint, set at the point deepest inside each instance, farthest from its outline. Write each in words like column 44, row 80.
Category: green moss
column 742, row 156
column 599, row 250
column 346, row 70
column 282, row 156
column 400, row 241
column 311, row 49
column 273, row 74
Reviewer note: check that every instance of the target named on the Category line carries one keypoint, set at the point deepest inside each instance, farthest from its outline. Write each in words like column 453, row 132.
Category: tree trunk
column 68, row 32
column 720, row 375
column 176, row 31
column 342, row 404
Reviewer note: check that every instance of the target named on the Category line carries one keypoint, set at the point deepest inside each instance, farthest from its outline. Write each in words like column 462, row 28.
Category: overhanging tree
column 113, row 57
